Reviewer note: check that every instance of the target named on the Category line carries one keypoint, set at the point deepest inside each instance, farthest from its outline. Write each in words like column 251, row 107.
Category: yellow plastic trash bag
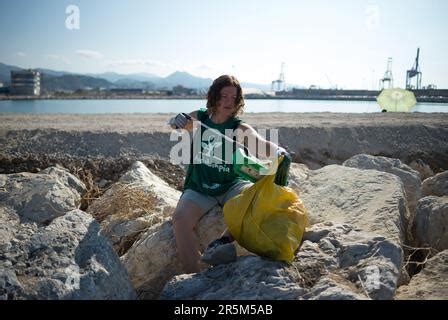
column 267, row 219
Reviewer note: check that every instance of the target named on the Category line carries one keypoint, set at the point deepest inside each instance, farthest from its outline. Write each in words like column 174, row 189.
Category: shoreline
column 434, row 99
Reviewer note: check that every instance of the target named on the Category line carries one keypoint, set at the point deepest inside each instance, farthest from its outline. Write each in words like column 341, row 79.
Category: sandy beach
column 156, row 122
column 317, row 139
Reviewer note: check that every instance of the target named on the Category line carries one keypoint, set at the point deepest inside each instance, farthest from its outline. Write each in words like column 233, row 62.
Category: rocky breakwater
column 365, row 216
column 356, row 247
column 362, row 222
column 352, row 250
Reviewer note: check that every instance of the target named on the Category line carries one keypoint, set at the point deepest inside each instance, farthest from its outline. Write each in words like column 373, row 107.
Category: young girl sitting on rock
column 209, row 183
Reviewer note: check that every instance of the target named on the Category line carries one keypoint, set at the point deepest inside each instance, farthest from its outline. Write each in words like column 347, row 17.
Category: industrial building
column 3, row 89
column 25, row 82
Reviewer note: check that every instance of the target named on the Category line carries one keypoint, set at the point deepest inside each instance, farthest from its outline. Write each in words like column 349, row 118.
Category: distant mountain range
column 72, row 82
column 5, row 72
column 113, row 76
column 52, row 80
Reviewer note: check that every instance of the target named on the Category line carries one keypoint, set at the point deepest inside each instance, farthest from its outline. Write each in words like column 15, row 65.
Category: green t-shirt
column 211, row 169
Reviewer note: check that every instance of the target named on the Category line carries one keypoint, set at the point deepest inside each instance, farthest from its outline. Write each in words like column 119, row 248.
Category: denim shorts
column 207, row 202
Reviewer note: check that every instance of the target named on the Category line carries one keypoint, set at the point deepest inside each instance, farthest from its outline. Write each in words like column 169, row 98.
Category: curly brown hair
column 214, row 93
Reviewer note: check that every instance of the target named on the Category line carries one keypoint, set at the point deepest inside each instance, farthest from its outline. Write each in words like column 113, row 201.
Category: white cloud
column 137, row 62
column 90, row 54
column 52, row 56
column 57, row 57
column 210, row 70
column 21, row 54
column 141, row 65
column 204, row 67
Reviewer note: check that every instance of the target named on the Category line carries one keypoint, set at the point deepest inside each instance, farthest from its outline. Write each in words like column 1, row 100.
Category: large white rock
column 251, row 277
column 141, row 175
column 68, row 259
column 431, row 283
column 371, row 200
column 66, row 178
column 410, row 177
column 125, row 222
column 43, row 196
column 335, row 262
column 436, row 185
column 431, row 223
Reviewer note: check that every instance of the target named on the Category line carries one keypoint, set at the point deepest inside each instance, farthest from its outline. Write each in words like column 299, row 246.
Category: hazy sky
column 344, row 43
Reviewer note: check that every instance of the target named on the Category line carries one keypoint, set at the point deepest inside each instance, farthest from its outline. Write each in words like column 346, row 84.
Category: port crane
column 279, row 84
column 414, row 72
column 388, row 78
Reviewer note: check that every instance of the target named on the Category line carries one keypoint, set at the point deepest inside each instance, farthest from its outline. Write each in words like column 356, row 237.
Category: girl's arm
column 256, row 144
